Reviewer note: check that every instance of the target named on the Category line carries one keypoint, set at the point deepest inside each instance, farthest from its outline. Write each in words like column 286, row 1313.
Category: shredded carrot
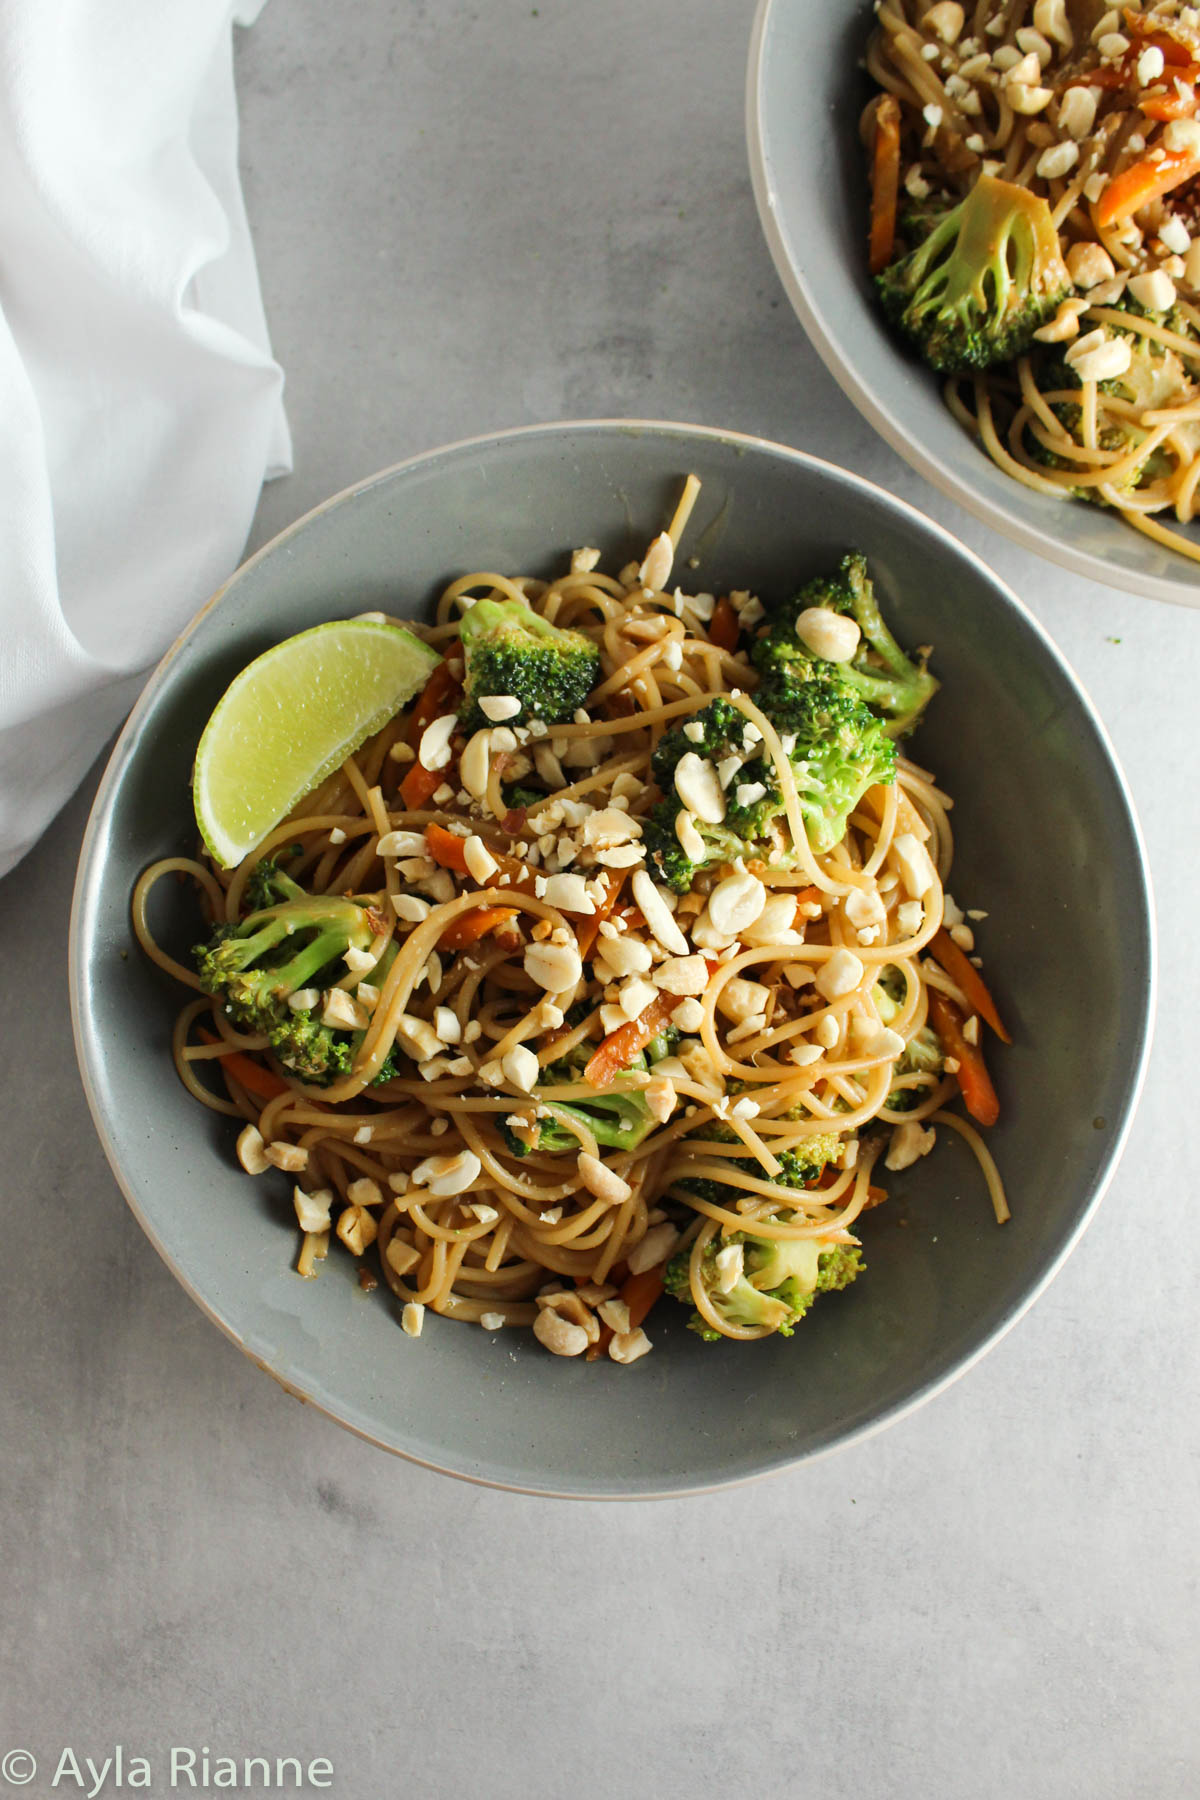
column 963, row 972
column 971, row 1074
column 439, row 695
column 589, row 927
column 419, row 786
column 1174, row 53
column 1165, row 107
column 450, row 851
column 619, row 1048
column 1109, row 76
column 639, row 1292
column 808, row 896
column 1143, row 182
column 885, row 182
column 469, row 927
column 256, row 1080
column 446, row 848
column 724, row 627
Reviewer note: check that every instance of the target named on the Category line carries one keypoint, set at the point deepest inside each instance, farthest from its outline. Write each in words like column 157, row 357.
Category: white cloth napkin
column 140, row 408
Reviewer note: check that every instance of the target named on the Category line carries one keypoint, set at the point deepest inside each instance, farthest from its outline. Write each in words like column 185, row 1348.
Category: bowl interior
column 805, row 93
column 1047, row 846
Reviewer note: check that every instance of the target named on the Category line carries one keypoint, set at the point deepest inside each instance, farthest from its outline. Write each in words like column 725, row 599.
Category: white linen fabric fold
column 140, row 406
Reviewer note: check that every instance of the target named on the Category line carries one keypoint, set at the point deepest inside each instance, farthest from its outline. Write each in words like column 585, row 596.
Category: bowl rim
column 876, row 412
column 90, row 880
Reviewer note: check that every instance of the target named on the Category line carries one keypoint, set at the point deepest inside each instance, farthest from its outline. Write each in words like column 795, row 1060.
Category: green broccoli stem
column 497, row 615
column 917, row 685
column 325, row 948
column 337, row 924
column 284, row 885
column 870, row 620
column 236, row 953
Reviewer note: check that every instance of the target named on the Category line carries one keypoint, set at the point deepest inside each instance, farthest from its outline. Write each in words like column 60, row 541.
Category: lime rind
column 293, row 716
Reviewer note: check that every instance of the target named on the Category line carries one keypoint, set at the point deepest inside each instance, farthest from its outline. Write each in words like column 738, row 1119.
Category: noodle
column 1106, row 97
column 426, row 1142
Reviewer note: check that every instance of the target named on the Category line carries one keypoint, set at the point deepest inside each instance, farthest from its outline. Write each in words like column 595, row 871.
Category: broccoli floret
column 978, row 286
column 837, row 749
column 923, row 1055
column 826, row 716
column 667, row 855
column 778, row 1278
column 1152, row 380
column 619, row 1120
column 268, row 885
column 919, row 217
column 664, row 852
column 1110, row 437
column 515, row 794
column 257, row 965
column 881, row 674
column 1163, row 369
column 798, row 1167
column 511, row 650
column 716, row 731
column 777, row 1283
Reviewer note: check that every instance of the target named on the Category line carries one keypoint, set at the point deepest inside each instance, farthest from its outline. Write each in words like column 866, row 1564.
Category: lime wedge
column 291, row 717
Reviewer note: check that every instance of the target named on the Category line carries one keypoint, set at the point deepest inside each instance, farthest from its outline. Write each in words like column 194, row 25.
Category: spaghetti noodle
column 529, row 967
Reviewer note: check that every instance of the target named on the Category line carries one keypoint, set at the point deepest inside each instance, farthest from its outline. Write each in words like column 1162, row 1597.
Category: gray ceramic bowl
column 1047, row 844
column 805, row 90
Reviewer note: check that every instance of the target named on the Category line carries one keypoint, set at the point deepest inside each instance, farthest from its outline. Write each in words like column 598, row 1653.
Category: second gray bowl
column 805, row 91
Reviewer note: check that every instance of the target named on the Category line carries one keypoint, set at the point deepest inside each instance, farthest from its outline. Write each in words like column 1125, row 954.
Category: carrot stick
column 469, row 927
column 639, row 1292
column 446, row 848
column 808, row 896
column 588, row 929
column 251, row 1075
column 1175, row 54
column 1165, row 107
column 440, row 694
column 1143, row 182
column 885, row 182
column 1110, row 77
column 971, row 1074
column 724, row 627
column 450, row 851
column 419, row 785
column 964, row 974
column 619, row 1048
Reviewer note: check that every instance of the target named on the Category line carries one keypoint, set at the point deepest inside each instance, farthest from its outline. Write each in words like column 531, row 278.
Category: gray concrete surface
column 471, row 216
